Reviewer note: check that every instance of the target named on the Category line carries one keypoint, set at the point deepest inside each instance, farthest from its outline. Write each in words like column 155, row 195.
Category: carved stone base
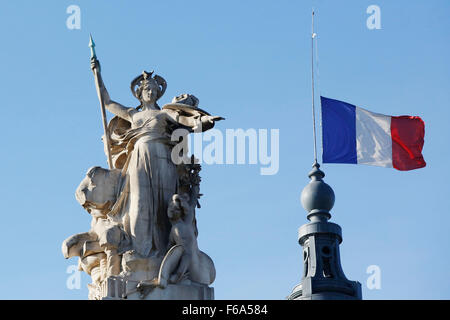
column 178, row 292
column 117, row 288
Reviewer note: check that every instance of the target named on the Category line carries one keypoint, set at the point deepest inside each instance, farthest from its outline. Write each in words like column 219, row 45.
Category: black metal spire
column 323, row 277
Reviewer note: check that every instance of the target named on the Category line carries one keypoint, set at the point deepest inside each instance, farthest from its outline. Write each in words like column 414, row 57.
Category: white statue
column 133, row 229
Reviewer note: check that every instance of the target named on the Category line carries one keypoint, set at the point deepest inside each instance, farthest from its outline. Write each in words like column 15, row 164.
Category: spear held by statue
column 98, row 84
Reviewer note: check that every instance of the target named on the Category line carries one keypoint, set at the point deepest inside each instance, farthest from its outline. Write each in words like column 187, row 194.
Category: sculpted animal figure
column 101, row 245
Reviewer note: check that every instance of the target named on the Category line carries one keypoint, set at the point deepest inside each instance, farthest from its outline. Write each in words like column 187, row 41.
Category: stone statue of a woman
column 141, row 147
column 129, row 202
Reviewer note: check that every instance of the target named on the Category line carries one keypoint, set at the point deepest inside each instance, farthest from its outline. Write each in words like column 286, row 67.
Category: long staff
column 96, row 72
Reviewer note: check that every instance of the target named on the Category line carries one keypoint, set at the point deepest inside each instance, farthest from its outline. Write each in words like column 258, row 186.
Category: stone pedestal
column 118, row 288
column 177, row 292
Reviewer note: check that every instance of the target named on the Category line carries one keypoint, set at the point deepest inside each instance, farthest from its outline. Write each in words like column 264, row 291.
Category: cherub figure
column 183, row 235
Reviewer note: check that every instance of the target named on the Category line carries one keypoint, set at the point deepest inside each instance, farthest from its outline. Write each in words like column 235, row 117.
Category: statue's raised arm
column 112, row 106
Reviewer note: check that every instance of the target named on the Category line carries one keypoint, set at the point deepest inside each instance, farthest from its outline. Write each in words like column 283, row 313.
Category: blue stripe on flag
column 338, row 131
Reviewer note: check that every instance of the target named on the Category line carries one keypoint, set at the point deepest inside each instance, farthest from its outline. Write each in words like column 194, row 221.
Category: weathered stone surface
column 143, row 238
column 117, row 288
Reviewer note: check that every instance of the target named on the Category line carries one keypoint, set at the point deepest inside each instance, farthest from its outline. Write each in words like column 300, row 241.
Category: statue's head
column 148, row 91
column 178, row 204
column 148, row 88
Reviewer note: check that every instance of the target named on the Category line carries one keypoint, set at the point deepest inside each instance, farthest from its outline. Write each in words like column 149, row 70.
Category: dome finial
column 317, row 197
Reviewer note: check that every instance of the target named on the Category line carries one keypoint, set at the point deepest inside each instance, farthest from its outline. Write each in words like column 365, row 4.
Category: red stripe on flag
column 407, row 142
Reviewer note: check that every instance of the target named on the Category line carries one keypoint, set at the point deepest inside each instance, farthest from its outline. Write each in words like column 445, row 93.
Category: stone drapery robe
column 149, row 179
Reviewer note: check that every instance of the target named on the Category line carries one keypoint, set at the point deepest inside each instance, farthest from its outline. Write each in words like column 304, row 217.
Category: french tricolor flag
column 352, row 134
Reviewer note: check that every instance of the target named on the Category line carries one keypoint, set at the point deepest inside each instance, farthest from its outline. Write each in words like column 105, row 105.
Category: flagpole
column 313, row 35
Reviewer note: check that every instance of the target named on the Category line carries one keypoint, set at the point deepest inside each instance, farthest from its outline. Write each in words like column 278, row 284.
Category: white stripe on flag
column 373, row 138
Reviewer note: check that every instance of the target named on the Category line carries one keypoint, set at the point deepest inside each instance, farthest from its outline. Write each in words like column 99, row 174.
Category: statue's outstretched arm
column 192, row 122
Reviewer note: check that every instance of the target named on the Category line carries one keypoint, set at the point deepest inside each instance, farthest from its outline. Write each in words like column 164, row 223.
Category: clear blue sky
column 248, row 61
